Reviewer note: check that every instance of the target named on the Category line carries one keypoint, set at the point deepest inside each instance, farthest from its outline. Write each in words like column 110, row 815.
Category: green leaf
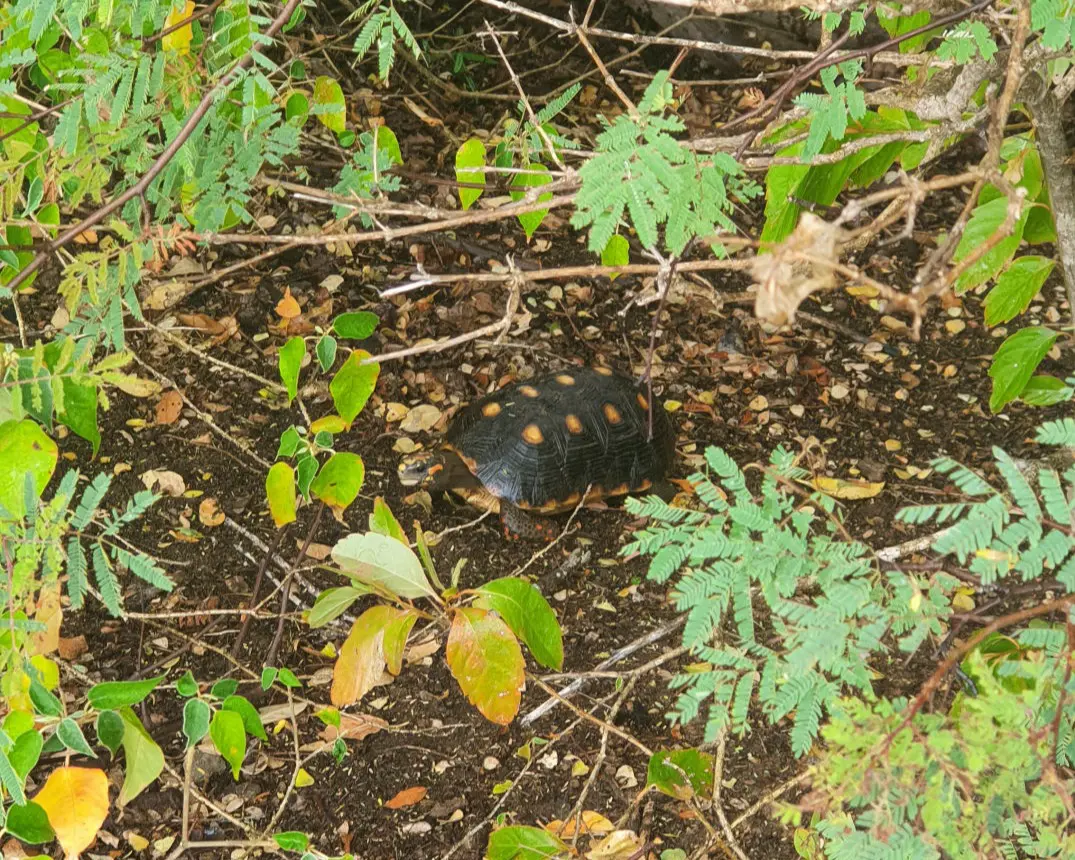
column 487, row 663
column 1039, row 228
column 1015, row 288
column 116, row 694
column 356, row 325
column 297, row 108
column 229, row 738
column 79, row 411
column 535, row 176
column 523, row 843
column 332, row 603
column 25, row 753
column 292, row 840
column 526, row 611
column 249, row 715
column 110, row 730
column 388, row 143
column 145, row 761
column 290, row 440
column 326, row 352
column 25, row 449
column 470, row 155
column 290, row 359
column 1015, row 362
column 329, row 104
column 29, row 823
column 72, row 737
column 353, row 384
column 1045, row 391
column 288, row 679
column 186, row 686
column 984, row 221
column 382, row 562
column 223, row 688
column 617, row 252
column 268, row 677
column 280, row 491
column 196, row 714
column 338, row 482
column 384, row 522
column 681, row 774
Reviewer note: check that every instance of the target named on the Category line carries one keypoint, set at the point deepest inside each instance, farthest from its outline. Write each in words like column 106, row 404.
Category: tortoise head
column 435, row 470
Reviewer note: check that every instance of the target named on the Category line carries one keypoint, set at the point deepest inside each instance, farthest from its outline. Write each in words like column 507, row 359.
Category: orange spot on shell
column 604, row 371
column 528, row 391
column 642, row 400
column 533, row 435
column 571, row 500
column 491, row 410
column 621, row 490
column 612, row 414
column 574, row 425
column 565, row 379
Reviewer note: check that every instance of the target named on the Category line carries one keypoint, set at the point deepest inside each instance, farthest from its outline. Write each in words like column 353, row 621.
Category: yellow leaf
column 76, row 802
column 50, row 614
column 48, row 670
column 179, row 39
column 962, row 601
column 303, row 778
column 288, row 308
column 841, row 489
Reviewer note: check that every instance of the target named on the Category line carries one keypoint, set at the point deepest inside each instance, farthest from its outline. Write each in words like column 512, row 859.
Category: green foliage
column 765, row 554
column 367, row 176
column 383, row 28
column 829, row 113
column 643, row 173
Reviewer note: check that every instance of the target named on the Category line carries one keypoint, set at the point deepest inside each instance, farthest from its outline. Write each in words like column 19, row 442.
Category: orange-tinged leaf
column 841, row 489
column 485, row 659
column 288, row 308
column 76, row 802
column 362, row 657
column 169, row 407
column 592, row 822
column 50, row 614
column 209, row 513
column 407, row 797
column 179, row 39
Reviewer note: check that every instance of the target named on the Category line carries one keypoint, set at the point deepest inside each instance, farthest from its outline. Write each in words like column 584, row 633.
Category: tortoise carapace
column 539, row 447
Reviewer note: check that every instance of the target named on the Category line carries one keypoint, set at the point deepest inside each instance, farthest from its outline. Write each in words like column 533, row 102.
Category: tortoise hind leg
column 518, row 523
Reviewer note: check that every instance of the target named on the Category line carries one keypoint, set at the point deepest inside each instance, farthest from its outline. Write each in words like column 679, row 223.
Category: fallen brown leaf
column 169, row 407
column 407, row 797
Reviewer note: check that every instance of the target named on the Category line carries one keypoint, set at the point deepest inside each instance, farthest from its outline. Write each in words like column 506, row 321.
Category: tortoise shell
column 540, row 444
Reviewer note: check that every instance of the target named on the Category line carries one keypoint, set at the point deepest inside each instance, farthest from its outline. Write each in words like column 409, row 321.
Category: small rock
column 490, row 762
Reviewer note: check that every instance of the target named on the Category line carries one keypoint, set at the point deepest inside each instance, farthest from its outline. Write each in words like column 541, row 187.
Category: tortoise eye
column 612, row 414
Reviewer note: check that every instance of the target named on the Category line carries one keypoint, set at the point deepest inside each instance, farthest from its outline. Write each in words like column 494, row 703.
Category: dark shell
column 541, row 443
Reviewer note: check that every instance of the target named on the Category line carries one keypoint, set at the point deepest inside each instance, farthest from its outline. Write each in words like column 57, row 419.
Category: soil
column 861, row 399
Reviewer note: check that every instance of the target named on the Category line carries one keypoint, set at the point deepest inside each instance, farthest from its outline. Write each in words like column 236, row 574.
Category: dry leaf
column 73, row 648
column 169, row 483
column 421, row 114
column 407, row 797
column 841, row 489
column 169, row 407
column 592, row 822
column 76, row 802
column 50, row 614
column 288, row 308
column 796, row 268
column 354, row 727
column 209, row 513
column 618, row 845
column 420, row 418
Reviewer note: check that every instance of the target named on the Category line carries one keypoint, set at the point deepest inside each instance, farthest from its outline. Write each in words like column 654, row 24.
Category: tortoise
column 549, row 444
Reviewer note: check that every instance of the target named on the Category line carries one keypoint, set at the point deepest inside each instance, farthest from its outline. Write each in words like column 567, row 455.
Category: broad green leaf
column 29, row 823
column 1015, row 362
column 363, row 655
column 75, row 799
column 329, row 104
column 469, row 156
column 290, row 359
column 72, row 737
column 617, row 252
column 1039, row 228
column 110, row 730
column 290, row 440
column 144, row 759
column 24, row 449
column 1045, row 391
column 280, row 491
column 288, row 679
column 24, row 754
column 338, row 482
column 332, row 603
column 196, row 715
column 528, row 614
column 984, row 221
column 110, row 695
column 268, row 677
column 682, row 774
column 535, row 176
column 382, row 562
column 519, row 842
column 1015, row 288
column 384, row 522
column 248, row 714
column 332, row 424
column 395, row 640
column 229, row 738
column 487, row 663
column 297, row 108
column 353, row 384
column 356, row 325
column 292, row 840
column 326, row 352
column 186, row 686
column 223, row 688
column 388, row 143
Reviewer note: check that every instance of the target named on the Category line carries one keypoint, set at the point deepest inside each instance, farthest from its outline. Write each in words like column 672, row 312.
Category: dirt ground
column 844, row 384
